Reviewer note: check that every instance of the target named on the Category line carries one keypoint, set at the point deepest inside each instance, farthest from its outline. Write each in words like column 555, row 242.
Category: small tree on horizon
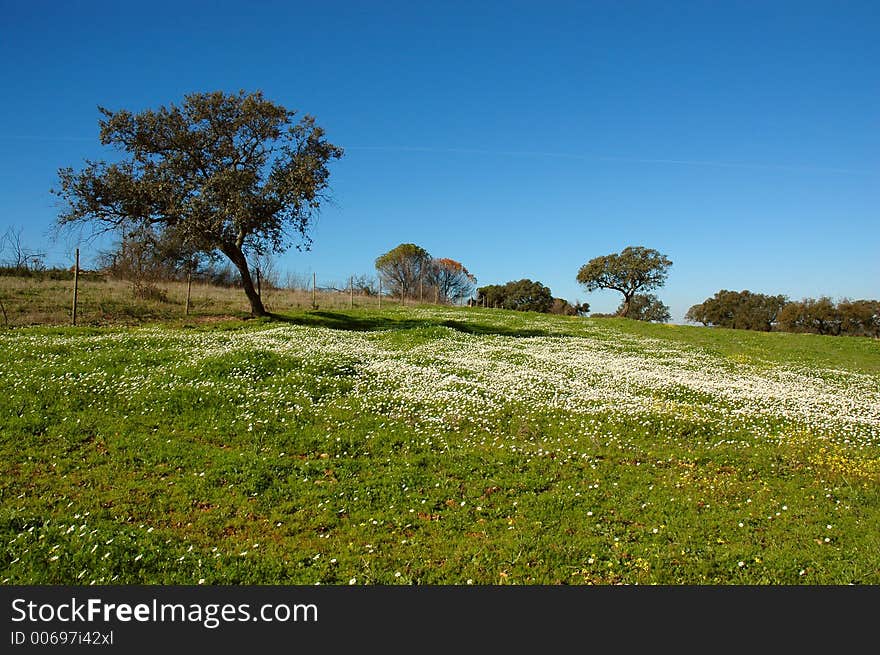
column 521, row 295
column 563, row 307
column 403, row 267
column 635, row 269
column 20, row 257
column 452, row 280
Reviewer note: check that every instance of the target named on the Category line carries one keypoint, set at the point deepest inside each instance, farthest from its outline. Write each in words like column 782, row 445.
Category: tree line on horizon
column 237, row 177
column 632, row 272
column 744, row 310
column 409, row 271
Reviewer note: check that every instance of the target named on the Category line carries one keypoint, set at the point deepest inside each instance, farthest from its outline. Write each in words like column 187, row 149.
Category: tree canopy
column 522, row 295
column 630, row 271
column 409, row 270
column 402, row 268
column 744, row 310
column 232, row 173
column 741, row 310
column 824, row 316
column 563, row 307
column 451, row 279
column 647, row 307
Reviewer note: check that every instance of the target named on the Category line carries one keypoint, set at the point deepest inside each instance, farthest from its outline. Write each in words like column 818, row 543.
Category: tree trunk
column 624, row 311
column 236, row 256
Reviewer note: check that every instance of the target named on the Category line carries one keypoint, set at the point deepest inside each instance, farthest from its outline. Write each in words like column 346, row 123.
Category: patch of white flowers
column 440, row 381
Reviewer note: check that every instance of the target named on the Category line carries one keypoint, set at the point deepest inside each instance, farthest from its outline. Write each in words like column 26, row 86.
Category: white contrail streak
column 33, row 137
column 538, row 153
column 629, row 160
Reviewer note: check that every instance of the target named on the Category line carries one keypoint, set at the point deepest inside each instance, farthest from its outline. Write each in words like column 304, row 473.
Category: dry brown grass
column 32, row 301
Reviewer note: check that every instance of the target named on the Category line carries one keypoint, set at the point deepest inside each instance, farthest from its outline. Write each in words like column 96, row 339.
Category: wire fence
column 59, row 297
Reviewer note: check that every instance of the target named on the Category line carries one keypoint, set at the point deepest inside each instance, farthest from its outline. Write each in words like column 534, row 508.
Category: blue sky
column 740, row 138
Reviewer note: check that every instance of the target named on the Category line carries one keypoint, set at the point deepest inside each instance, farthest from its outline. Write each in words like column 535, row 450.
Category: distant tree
column 144, row 257
column 528, row 296
column 823, row 316
column 742, row 310
column 298, row 281
column 860, row 317
column 264, row 267
column 635, row 269
column 17, row 255
column 697, row 314
column 491, row 295
column 363, row 285
column 222, row 275
column 646, row 307
column 564, row 308
column 819, row 316
column 134, row 258
column 521, row 295
column 402, row 268
column 452, row 280
column 220, row 173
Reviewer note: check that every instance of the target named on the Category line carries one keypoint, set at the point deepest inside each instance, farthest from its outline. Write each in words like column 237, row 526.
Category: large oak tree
column 634, row 269
column 233, row 173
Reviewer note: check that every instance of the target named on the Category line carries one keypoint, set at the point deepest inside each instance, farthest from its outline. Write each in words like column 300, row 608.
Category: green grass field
column 103, row 302
column 437, row 446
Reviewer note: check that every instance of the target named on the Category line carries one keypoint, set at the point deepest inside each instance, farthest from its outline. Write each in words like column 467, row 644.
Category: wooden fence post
column 189, row 283
column 75, row 284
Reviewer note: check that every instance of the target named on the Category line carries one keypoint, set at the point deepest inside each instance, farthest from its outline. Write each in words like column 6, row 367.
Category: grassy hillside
column 428, row 446
column 29, row 301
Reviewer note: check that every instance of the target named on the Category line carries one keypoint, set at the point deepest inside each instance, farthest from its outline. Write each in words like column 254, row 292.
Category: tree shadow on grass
column 340, row 321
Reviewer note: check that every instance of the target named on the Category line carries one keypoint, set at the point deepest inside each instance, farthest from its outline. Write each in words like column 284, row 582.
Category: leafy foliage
column 403, row 267
column 745, row 310
column 229, row 173
column 563, row 307
column 521, row 295
column 409, row 270
column 647, row 307
column 742, row 310
column 860, row 317
column 823, row 316
column 634, row 269
column 452, row 280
